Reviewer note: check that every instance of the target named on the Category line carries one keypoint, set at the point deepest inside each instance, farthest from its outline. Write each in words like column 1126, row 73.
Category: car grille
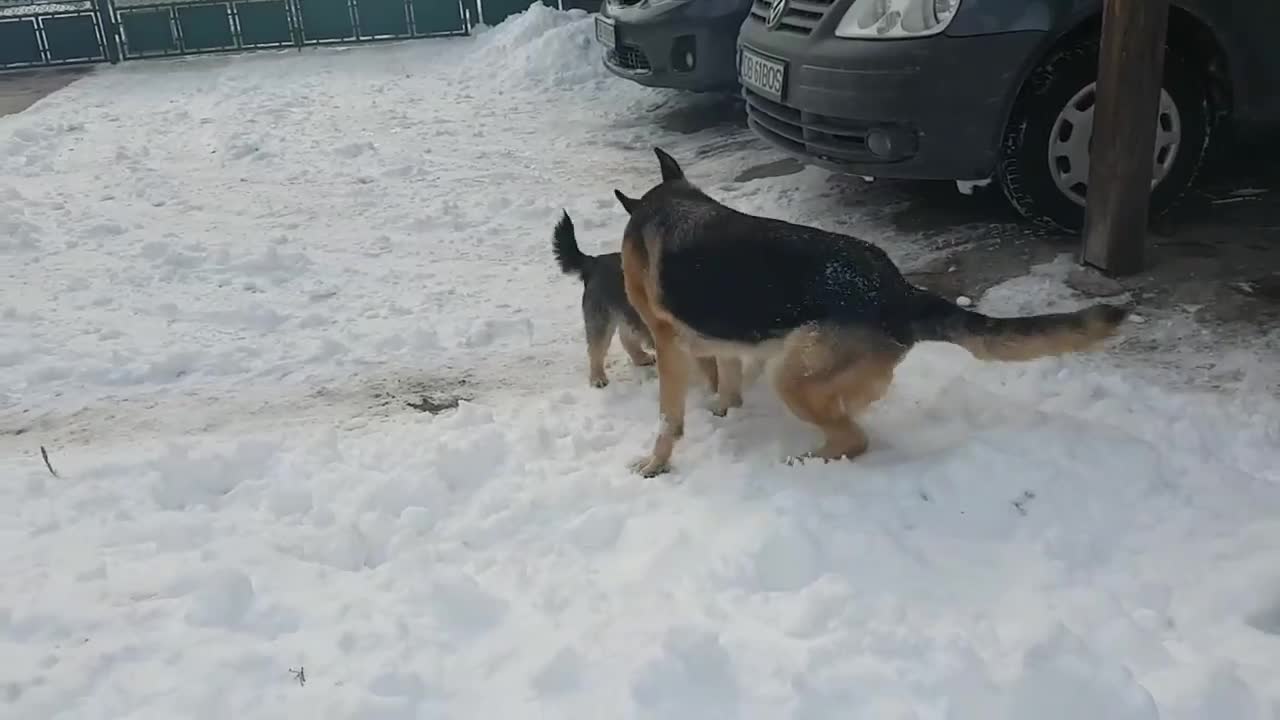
column 629, row 57
column 821, row 136
column 800, row 17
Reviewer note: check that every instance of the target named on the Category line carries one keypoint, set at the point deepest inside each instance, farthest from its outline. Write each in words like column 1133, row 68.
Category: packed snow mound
column 983, row 562
column 542, row 47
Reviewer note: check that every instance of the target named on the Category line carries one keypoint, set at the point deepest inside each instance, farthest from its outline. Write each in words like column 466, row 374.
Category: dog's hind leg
column 828, row 376
column 711, row 371
column 729, row 388
column 600, row 326
column 631, row 343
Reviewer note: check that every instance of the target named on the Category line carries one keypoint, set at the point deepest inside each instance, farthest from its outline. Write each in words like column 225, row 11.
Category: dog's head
column 673, row 182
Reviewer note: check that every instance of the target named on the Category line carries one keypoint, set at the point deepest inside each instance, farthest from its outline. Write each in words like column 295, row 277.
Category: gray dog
column 605, row 310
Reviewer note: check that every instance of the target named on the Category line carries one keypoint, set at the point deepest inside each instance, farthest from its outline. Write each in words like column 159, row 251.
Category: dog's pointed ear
column 670, row 168
column 628, row 204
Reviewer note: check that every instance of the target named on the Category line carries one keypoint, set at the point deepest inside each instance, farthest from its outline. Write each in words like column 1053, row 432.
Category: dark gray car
column 685, row 44
column 972, row 90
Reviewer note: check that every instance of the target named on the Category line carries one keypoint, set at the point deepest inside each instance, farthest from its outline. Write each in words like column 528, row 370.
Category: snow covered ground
column 222, row 277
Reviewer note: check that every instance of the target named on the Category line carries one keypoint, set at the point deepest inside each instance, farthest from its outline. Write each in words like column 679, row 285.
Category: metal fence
column 49, row 33
column 187, row 28
column 35, row 33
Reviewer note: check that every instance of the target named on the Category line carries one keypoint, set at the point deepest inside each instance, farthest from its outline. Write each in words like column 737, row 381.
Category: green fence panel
column 160, row 28
column 205, row 27
column 72, row 37
column 326, row 20
column 495, row 11
column 148, row 32
column 432, row 17
column 381, row 18
column 18, row 44
column 264, row 22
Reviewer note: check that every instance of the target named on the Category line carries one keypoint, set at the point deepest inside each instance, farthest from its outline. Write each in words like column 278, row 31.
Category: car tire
column 1030, row 178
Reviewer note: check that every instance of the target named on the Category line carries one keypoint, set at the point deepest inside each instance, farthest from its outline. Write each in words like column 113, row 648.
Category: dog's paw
column 599, row 382
column 721, row 409
column 645, row 360
column 649, row 466
column 721, row 406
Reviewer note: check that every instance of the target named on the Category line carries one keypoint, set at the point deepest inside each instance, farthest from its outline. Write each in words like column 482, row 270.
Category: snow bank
column 989, row 559
column 540, row 47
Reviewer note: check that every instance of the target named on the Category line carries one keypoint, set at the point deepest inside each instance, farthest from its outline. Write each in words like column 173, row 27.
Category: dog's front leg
column 673, row 389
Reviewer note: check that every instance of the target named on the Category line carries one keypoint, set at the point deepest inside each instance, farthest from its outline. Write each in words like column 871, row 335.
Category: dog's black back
column 738, row 277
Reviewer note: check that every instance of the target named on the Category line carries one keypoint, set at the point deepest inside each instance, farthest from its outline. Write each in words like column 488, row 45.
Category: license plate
column 606, row 33
column 764, row 76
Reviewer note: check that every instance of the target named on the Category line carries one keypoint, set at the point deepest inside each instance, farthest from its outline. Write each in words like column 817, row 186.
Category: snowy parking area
column 222, row 277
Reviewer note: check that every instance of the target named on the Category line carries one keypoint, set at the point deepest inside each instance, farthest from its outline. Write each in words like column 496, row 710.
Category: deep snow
column 213, row 267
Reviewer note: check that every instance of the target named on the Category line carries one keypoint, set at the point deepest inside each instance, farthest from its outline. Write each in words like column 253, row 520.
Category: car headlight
column 890, row 19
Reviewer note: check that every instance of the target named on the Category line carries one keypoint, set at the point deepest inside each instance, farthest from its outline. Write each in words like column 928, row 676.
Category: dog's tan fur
column 828, row 375
column 1014, row 348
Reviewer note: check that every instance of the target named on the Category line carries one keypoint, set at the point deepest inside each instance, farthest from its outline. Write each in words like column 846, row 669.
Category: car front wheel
column 1044, row 164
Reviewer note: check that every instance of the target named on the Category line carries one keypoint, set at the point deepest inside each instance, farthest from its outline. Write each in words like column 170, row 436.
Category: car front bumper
column 926, row 108
column 683, row 44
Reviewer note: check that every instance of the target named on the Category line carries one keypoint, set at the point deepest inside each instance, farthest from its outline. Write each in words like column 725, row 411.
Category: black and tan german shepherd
column 833, row 311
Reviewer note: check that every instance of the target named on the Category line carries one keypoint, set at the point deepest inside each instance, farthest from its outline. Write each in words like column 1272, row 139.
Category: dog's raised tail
column 1016, row 338
column 569, row 256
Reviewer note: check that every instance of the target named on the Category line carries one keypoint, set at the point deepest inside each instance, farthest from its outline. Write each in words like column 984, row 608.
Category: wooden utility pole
column 1127, row 103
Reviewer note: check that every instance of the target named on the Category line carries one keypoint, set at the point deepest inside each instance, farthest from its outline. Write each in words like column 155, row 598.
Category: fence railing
column 201, row 26
column 51, row 33
column 36, row 33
